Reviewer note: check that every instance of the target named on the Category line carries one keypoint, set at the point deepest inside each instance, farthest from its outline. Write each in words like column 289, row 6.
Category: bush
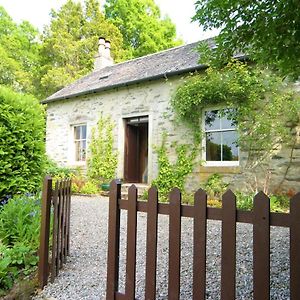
column 19, row 239
column 90, row 188
column 244, row 201
column 215, row 187
column 22, row 150
column 278, row 203
column 56, row 171
column 20, row 221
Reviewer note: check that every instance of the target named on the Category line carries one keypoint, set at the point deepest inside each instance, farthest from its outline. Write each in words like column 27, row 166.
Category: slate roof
column 158, row 65
column 174, row 61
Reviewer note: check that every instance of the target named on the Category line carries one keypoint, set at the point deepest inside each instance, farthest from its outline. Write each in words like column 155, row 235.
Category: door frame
column 121, row 143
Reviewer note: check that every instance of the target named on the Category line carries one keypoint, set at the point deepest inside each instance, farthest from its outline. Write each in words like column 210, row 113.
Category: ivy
column 266, row 108
column 102, row 161
column 173, row 175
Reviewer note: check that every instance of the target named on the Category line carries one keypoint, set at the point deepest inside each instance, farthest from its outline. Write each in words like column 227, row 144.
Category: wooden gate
column 58, row 200
column 260, row 217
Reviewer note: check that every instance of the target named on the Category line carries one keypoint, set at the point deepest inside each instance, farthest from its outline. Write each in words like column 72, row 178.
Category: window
column 220, row 138
column 80, row 142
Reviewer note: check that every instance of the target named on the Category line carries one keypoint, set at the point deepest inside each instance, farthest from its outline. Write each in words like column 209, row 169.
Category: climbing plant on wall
column 172, row 175
column 102, row 161
column 266, row 109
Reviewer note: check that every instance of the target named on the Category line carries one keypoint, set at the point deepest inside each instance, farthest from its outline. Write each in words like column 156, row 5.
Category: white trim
column 121, row 142
column 71, row 148
column 208, row 163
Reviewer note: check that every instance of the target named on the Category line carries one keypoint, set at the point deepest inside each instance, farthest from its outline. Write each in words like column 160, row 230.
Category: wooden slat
column 276, row 219
column 112, row 283
column 151, row 247
column 174, row 244
column 55, row 233
column 228, row 265
column 43, row 270
column 119, row 296
column 69, row 216
column 62, row 228
column 64, row 250
column 295, row 247
column 60, row 207
column 131, row 243
column 261, row 247
column 200, row 226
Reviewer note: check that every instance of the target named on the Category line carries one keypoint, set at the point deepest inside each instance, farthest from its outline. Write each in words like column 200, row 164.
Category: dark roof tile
column 169, row 62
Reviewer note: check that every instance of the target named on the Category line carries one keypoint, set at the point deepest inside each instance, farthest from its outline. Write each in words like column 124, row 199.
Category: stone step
column 141, row 187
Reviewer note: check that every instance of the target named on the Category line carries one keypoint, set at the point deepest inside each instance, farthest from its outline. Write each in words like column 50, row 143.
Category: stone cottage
column 136, row 94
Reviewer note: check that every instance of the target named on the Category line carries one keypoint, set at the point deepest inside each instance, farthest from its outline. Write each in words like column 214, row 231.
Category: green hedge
column 22, row 149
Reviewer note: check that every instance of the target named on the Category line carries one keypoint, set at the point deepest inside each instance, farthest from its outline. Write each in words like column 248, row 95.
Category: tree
column 19, row 52
column 70, row 43
column 143, row 29
column 268, row 30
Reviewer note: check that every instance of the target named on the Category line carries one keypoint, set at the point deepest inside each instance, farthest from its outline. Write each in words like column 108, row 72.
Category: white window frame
column 209, row 163
column 73, row 148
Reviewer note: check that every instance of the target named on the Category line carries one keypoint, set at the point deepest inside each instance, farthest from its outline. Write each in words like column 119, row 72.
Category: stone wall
column 152, row 99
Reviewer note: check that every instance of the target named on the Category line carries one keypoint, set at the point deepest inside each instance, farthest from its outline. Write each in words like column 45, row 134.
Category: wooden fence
column 260, row 217
column 58, row 200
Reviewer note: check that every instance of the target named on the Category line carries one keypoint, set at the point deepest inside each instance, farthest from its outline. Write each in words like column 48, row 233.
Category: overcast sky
column 37, row 13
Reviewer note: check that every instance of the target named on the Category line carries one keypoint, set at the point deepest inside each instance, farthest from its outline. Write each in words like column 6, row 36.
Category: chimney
column 103, row 58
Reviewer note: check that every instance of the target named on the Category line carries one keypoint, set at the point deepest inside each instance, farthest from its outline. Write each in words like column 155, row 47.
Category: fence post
column 151, row 246
column 228, row 262
column 174, row 244
column 43, row 270
column 199, row 251
column 113, row 240
column 295, row 247
column 131, row 243
column 261, row 247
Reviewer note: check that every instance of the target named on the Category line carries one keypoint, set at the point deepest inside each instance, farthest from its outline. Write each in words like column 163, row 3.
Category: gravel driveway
column 84, row 275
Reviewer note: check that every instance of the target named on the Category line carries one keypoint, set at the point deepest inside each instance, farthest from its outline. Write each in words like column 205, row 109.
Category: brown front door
column 136, row 150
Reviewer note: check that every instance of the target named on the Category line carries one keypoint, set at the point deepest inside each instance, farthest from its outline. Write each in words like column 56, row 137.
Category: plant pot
column 105, row 186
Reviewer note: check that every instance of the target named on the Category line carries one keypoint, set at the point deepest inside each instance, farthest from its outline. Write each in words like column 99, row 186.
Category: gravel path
column 84, row 275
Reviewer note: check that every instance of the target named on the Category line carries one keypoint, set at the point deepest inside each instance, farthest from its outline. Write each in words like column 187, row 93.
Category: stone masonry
column 153, row 99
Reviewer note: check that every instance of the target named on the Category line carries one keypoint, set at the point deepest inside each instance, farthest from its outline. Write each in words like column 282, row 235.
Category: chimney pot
column 103, row 58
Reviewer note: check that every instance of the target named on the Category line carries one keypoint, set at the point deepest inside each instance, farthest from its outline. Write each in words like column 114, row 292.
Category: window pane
column 83, row 150
column 83, row 135
column 230, row 148
column 213, row 146
column 226, row 119
column 212, row 120
column 77, row 132
column 77, row 151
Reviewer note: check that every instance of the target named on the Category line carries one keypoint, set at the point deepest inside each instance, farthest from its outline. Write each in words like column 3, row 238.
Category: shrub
column 56, row 171
column 19, row 239
column 278, row 203
column 20, row 221
column 244, row 201
column 22, row 151
column 89, row 188
column 215, row 187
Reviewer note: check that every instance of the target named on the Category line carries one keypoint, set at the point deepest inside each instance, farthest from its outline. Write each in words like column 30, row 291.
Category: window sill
column 220, row 169
column 77, row 163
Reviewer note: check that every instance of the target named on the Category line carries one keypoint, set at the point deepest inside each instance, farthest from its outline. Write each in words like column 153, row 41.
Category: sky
column 37, row 13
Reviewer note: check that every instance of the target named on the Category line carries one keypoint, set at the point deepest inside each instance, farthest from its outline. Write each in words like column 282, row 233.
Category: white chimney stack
column 103, row 58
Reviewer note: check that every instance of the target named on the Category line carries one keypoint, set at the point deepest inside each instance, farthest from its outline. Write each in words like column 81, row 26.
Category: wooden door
column 131, row 167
